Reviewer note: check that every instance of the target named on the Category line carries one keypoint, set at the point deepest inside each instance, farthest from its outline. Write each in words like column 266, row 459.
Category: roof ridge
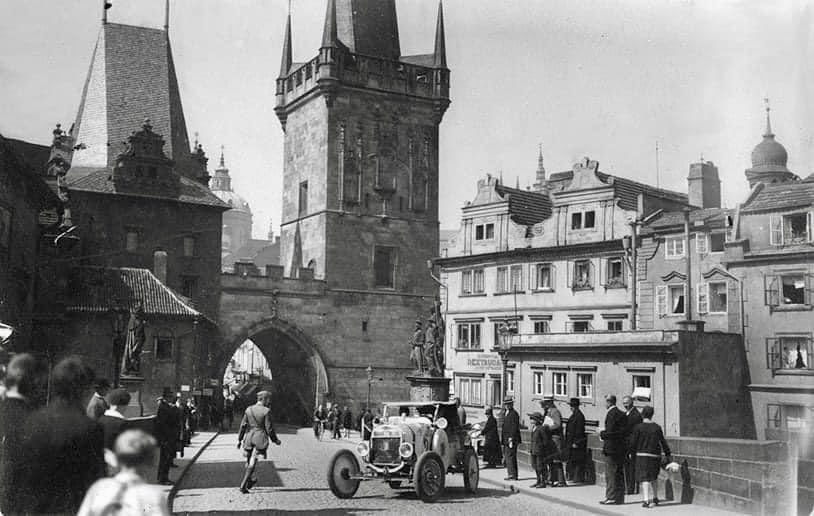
column 134, row 26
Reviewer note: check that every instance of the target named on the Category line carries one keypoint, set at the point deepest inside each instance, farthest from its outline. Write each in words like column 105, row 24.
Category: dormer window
column 583, row 220
column 484, row 232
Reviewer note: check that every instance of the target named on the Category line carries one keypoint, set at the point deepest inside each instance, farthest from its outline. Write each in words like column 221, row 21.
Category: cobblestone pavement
column 294, row 481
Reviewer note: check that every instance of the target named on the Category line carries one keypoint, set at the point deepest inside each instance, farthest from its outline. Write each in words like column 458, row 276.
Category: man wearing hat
column 555, row 426
column 541, row 448
column 166, row 426
column 576, row 442
column 510, row 438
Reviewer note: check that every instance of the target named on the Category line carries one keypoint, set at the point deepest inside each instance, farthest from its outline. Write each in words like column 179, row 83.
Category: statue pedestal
column 429, row 388
column 134, row 385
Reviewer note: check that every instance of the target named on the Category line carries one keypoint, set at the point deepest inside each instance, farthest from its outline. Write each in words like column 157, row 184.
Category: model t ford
column 413, row 447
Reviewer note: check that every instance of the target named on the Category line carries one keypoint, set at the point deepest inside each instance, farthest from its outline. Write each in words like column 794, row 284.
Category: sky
column 604, row 79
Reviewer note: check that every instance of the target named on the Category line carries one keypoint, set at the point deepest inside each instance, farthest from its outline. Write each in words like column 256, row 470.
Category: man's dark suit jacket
column 511, row 428
column 112, row 426
column 575, row 430
column 633, row 419
column 167, row 419
column 61, row 456
column 613, row 437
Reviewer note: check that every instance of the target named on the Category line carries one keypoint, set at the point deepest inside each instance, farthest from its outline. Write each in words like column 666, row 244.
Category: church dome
column 221, row 186
column 769, row 153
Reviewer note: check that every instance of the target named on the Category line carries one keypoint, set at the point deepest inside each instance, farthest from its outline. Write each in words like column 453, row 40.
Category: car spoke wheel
column 471, row 470
column 429, row 477
column 342, row 467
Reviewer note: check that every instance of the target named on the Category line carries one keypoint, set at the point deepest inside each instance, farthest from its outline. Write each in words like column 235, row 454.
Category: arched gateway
column 300, row 379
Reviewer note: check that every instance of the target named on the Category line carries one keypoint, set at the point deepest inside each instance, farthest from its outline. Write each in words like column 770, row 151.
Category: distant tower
column 360, row 180
column 237, row 222
column 703, row 185
column 769, row 159
column 540, row 183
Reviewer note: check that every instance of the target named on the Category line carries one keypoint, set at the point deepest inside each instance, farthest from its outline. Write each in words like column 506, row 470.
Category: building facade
column 552, row 260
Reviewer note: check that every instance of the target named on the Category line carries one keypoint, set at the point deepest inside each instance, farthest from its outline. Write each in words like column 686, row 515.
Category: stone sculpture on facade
column 427, row 344
column 135, row 342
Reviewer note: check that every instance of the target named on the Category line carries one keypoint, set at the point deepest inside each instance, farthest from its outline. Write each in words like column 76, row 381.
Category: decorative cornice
column 674, row 275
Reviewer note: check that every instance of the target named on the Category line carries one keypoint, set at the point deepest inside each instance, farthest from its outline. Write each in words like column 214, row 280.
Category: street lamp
column 505, row 330
column 369, row 382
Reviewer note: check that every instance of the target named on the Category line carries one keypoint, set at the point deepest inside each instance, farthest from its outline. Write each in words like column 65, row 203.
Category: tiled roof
column 525, row 207
column 710, row 217
column 99, row 289
column 27, row 160
column 626, row 189
column 427, row 60
column 778, row 196
column 189, row 191
column 131, row 77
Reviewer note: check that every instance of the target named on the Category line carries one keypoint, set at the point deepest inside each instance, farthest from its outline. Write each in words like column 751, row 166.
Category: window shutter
column 591, row 273
column 773, row 353
column 809, row 293
column 701, row 243
column 702, row 298
column 810, row 218
column 603, row 271
column 776, row 230
column 771, row 290
column 553, row 276
column 533, row 276
column 570, row 273
column 661, row 300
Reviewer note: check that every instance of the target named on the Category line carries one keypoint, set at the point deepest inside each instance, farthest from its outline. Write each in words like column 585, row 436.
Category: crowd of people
column 340, row 421
column 77, row 454
column 634, row 447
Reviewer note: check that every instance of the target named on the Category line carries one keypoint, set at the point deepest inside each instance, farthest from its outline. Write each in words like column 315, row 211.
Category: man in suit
column 166, row 433
column 61, row 453
column 510, row 438
column 614, row 447
column 23, row 379
column 97, row 404
column 633, row 419
column 256, row 431
column 576, row 442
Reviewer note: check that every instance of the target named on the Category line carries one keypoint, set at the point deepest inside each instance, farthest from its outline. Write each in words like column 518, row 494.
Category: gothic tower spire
column 167, row 16
column 329, row 36
column 285, row 63
column 440, row 53
column 539, row 184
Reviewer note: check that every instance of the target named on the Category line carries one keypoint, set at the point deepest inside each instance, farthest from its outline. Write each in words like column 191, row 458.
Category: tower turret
column 769, row 159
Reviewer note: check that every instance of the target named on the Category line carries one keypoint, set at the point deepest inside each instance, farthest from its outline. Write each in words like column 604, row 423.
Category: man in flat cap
column 510, row 438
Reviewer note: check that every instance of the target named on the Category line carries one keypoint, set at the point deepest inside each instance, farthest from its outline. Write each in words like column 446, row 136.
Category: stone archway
column 299, row 377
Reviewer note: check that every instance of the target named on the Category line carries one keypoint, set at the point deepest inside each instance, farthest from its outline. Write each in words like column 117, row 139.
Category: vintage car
column 413, row 447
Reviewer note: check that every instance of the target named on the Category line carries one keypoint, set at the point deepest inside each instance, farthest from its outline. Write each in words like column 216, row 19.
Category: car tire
column 429, row 477
column 394, row 484
column 343, row 465
column 471, row 470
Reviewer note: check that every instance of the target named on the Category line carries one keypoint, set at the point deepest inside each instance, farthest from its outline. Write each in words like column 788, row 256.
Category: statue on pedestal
column 417, row 346
column 433, row 341
column 135, row 342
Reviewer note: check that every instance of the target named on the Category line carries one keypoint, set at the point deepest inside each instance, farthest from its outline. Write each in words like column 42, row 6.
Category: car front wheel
column 343, row 466
column 471, row 470
column 429, row 476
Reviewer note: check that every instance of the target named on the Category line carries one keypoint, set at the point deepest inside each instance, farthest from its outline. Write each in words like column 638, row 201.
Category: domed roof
column 769, row 152
column 233, row 199
column 221, row 186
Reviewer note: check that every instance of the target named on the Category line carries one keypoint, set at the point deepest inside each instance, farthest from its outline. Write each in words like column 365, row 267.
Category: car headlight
column 363, row 449
column 441, row 423
column 406, row 450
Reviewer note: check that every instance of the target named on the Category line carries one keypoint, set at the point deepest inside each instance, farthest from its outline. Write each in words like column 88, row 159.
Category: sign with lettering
column 481, row 362
column 185, row 388
column 207, row 392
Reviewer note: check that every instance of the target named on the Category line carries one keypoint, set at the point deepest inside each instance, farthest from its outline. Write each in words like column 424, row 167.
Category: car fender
column 440, row 445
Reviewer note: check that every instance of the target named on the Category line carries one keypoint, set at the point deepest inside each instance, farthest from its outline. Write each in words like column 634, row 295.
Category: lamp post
column 369, row 382
column 504, row 332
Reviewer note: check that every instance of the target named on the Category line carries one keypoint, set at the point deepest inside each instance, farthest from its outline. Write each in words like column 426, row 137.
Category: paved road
column 294, row 481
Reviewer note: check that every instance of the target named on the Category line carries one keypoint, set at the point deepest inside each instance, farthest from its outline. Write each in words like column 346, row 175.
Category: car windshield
column 403, row 411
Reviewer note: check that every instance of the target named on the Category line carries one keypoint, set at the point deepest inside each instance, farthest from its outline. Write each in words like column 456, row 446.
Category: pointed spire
column 440, row 54
column 517, row 183
column 166, row 15
column 222, row 164
column 287, row 60
column 329, row 32
column 768, row 133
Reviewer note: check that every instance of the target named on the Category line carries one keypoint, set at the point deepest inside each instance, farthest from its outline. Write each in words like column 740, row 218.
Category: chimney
column 703, row 185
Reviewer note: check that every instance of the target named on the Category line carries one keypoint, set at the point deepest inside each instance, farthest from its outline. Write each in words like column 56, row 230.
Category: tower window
column 189, row 246
column 303, row 206
column 384, row 265
column 131, row 241
column 189, row 286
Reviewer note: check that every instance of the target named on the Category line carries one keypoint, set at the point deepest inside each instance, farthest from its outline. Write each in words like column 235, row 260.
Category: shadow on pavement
column 320, row 512
column 229, row 474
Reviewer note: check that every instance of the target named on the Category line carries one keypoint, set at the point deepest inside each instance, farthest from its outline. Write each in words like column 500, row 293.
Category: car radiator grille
column 385, row 450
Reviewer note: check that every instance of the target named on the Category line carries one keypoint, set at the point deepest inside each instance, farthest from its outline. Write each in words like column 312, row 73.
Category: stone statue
column 417, row 345
column 135, row 342
column 434, row 341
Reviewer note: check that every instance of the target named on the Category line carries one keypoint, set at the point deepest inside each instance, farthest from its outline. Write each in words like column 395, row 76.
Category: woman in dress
column 491, row 441
column 647, row 445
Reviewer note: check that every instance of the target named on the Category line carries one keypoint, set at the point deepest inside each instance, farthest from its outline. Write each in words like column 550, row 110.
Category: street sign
column 185, row 388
